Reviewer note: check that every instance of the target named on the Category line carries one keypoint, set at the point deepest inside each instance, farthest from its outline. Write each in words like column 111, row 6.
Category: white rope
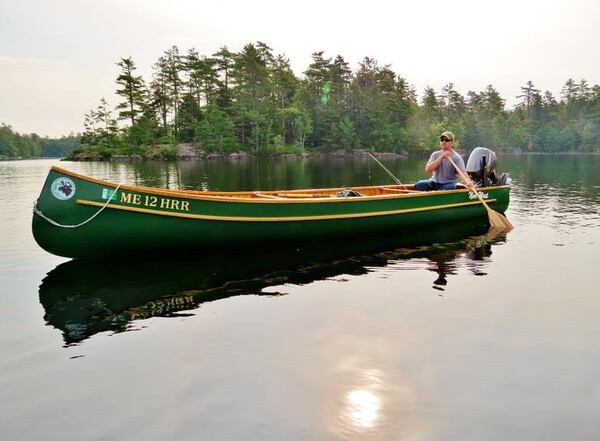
column 37, row 211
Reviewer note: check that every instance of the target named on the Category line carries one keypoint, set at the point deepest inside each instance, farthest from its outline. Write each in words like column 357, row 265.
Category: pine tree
column 160, row 101
column 318, row 72
column 131, row 87
column 106, row 124
column 168, row 69
column 569, row 90
column 528, row 95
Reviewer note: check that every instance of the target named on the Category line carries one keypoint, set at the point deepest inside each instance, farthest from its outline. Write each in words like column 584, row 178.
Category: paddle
column 497, row 220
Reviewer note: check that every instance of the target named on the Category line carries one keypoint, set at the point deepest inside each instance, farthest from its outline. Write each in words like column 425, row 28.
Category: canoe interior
column 282, row 195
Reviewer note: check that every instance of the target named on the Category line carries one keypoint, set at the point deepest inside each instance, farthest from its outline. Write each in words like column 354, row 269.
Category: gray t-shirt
column 445, row 171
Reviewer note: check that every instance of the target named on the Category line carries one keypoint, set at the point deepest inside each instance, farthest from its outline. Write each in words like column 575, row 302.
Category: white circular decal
column 63, row 188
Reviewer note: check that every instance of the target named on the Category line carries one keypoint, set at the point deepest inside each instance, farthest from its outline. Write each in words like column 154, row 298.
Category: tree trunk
column 131, row 97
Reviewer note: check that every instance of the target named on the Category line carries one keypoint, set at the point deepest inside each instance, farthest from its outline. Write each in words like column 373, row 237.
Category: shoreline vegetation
column 14, row 145
column 242, row 156
column 250, row 103
column 90, row 156
column 190, row 152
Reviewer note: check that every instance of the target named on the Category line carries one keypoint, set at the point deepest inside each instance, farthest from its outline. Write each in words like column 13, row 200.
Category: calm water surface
column 393, row 338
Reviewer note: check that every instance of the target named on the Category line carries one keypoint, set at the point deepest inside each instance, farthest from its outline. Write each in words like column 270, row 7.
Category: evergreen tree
column 528, row 95
column 132, row 89
column 224, row 61
column 160, row 101
column 569, row 91
column 168, row 73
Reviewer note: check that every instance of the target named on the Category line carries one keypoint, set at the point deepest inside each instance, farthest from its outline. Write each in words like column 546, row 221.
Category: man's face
column 445, row 143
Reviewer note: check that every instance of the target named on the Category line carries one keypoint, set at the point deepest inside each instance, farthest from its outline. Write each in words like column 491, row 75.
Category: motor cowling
column 481, row 168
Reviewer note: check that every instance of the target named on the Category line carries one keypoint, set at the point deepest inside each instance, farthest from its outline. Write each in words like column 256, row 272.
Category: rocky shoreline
column 188, row 153
column 357, row 154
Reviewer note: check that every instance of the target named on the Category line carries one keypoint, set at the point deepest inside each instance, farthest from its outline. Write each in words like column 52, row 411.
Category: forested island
column 252, row 102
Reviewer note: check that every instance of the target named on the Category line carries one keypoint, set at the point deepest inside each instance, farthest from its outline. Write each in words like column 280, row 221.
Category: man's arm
column 433, row 164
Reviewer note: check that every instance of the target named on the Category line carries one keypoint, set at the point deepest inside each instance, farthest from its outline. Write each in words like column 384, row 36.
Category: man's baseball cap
column 448, row 135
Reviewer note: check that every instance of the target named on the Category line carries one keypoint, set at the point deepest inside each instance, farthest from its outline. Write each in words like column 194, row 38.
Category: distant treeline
column 14, row 145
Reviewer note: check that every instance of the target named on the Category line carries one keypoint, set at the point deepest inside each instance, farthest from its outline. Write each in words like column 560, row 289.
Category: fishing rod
column 387, row 171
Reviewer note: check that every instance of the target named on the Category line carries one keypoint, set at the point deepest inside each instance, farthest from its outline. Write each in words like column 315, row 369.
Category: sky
column 57, row 57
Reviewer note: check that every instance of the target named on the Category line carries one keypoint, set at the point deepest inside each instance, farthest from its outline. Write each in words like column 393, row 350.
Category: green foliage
column 591, row 134
column 14, row 145
column 215, row 131
column 251, row 100
column 105, row 152
column 8, row 143
column 343, row 133
column 58, row 147
column 168, row 151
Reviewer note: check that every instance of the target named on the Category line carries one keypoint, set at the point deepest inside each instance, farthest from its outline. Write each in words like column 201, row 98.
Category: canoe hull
column 140, row 220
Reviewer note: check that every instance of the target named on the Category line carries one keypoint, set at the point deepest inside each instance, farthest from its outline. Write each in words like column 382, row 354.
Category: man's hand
column 435, row 164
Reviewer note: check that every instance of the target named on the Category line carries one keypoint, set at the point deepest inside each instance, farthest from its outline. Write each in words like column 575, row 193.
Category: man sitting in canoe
column 444, row 174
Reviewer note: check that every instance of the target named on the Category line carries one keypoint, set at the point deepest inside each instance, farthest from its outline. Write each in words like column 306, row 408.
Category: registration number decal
column 152, row 201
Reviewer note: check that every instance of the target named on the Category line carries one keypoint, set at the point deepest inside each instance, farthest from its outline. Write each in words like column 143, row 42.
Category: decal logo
column 109, row 193
column 474, row 196
column 63, row 188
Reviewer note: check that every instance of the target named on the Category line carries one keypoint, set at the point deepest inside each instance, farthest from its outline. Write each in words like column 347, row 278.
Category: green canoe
column 79, row 216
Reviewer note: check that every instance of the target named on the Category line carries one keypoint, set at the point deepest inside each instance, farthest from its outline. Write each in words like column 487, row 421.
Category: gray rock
column 119, row 158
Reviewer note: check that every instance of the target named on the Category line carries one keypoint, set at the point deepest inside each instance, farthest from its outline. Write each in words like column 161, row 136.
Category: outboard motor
column 481, row 168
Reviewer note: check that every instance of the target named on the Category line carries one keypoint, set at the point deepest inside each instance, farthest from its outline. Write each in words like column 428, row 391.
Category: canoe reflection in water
column 82, row 298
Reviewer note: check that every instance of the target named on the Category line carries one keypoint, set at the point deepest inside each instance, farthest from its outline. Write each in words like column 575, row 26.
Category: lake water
column 397, row 338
